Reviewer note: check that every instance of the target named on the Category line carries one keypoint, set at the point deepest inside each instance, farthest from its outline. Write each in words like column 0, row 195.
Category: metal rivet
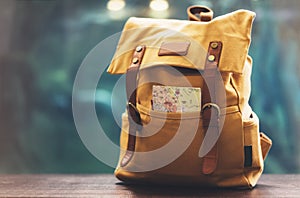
column 214, row 45
column 211, row 58
column 135, row 60
column 139, row 48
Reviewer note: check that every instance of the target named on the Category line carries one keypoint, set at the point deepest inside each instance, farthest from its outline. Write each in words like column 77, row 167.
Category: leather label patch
column 174, row 48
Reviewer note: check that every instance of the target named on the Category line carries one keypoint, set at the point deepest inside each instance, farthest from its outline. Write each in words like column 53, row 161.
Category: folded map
column 176, row 99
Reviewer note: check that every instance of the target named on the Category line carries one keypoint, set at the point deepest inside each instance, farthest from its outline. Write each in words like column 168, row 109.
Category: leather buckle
column 129, row 104
column 212, row 105
column 134, row 113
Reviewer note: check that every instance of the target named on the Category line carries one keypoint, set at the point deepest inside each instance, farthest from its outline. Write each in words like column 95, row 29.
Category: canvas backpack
column 187, row 120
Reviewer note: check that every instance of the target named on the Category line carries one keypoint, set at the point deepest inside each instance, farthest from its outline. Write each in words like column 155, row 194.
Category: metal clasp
column 134, row 114
column 129, row 104
column 210, row 105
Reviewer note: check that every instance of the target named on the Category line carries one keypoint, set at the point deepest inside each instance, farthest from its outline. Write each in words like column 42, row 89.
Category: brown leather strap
column 210, row 109
column 133, row 114
column 199, row 13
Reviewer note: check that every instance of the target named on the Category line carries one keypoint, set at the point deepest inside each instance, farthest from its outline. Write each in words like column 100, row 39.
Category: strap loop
column 200, row 13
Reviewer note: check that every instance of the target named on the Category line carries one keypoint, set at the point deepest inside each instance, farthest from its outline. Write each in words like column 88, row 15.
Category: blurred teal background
column 42, row 44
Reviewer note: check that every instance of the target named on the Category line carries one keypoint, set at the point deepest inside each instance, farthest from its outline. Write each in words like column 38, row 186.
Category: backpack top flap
column 191, row 38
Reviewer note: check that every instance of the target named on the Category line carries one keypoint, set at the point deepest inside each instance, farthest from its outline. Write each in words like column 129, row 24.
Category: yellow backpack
column 188, row 120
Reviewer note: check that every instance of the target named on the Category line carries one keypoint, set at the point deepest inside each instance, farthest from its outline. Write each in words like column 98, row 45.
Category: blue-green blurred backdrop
column 42, row 44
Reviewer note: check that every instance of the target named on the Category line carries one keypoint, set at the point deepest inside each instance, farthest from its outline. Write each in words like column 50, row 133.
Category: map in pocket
column 176, row 99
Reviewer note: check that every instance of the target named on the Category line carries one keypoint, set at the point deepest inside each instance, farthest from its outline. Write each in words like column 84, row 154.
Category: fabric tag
column 176, row 99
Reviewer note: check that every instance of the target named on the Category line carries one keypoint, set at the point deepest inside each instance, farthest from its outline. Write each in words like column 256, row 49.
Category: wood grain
column 108, row 186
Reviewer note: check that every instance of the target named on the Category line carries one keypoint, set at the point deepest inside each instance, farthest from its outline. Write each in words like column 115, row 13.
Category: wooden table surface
column 108, row 186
